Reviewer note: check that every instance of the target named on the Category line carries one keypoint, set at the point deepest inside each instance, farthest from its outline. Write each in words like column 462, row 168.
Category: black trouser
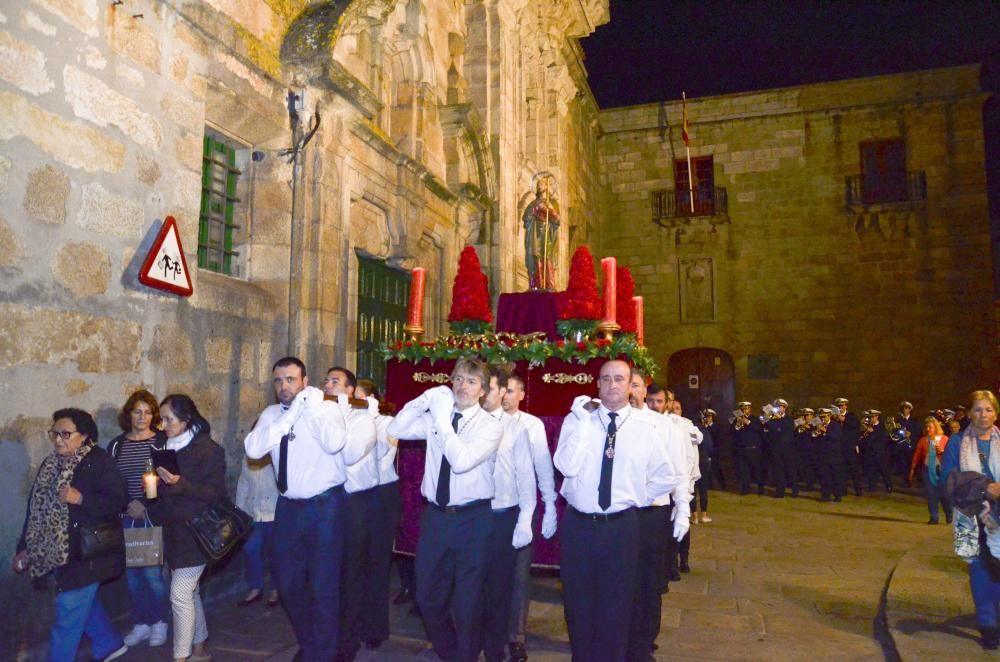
column 807, row 464
column 364, row 513
column 877, row 466
column 452, row 556
column 830, row 466
column 375, row 621
column 717, row 474
column 703, row 484
column 598, row 564
column 851, row 464
column 654, row 523
column 783, row 469
column 499, row 583
column 748, row 468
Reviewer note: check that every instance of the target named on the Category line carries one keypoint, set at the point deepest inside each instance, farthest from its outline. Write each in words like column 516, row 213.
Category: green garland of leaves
column 534, row 348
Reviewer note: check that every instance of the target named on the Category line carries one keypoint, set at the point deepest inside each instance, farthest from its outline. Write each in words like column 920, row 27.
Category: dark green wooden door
column 383, row 296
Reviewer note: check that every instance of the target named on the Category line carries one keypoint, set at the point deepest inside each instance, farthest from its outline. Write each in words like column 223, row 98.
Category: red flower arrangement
column 625, row 310
column 470, row 296
column 579, row 305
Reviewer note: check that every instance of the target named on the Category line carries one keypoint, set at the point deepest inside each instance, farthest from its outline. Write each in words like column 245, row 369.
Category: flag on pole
column 684, row 128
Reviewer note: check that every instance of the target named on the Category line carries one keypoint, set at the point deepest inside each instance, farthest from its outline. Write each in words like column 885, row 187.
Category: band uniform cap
column 744, row 403
column 874, row 412
column 824, row 411
column 948, row 413
column 709, row 412
column 866, row 413
column 904, row 403
column 781, row 402
column 808, row 410
column 960, row 408
column 841, row 401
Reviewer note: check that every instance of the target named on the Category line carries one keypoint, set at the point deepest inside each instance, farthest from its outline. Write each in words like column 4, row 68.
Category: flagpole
column 687, row 148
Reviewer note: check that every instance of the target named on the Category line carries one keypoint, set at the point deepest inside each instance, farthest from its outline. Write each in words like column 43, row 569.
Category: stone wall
column 874, row 302
column 424, row 145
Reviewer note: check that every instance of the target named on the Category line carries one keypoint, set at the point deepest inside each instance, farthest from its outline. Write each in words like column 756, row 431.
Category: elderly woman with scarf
column 929, row 453
column 77, row 486
column 977, row 449
column 201, row 481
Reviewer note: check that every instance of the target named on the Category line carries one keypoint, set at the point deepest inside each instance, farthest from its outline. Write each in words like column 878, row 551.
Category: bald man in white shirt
column 455, row 528
column 611, row 470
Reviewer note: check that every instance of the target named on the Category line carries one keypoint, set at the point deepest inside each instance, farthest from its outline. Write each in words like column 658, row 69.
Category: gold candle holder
column 415, row 333
column 608, row 328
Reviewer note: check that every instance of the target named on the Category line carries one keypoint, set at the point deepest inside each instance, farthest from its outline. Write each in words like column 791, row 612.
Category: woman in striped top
column 140, row 420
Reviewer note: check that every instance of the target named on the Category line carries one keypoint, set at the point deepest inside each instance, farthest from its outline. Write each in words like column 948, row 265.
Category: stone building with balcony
column 830, row 239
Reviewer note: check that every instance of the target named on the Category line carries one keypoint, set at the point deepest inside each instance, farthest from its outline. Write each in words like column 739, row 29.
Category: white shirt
column 694, row 436
column 256, row 491
column 471, row 452
column 540, row 455
column 385, row 450
column 677, row 446
column 642, row 472
column 320, row 449
column 363, row 474
column 514, row 473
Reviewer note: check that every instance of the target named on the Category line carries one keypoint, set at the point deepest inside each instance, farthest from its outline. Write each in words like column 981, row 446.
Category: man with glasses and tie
column 310, row 449
column 455, row 528
column 612, row 467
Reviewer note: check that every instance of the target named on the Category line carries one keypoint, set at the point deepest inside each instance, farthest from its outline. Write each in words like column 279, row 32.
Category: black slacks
column 654, row 527
column 598, row 564
column 499, row 584
column 451, row 563
column 375, row 615
column 356, row 578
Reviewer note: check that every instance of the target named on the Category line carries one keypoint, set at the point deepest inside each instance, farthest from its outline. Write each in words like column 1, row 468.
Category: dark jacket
column 203, row 481
column 104, row 496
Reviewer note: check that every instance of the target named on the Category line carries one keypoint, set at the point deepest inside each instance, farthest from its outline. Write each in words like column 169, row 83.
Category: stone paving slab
column 771, row 579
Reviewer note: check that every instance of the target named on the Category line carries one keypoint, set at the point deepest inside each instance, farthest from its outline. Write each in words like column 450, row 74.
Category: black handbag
column 219, row 528
column 101, row 539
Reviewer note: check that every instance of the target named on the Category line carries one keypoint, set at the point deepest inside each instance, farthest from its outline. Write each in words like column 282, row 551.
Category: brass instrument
column 739, row 419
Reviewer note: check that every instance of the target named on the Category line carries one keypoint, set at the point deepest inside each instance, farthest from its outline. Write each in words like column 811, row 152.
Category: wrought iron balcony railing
column 886, row 188
column 708, row 201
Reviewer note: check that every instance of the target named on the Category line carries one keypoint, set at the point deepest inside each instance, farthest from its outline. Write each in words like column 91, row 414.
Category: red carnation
column 470, row 295
column 625, row 310
column 580, row 300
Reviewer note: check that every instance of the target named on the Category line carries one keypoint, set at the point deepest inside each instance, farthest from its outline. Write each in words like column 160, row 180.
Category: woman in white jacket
column 257, row 494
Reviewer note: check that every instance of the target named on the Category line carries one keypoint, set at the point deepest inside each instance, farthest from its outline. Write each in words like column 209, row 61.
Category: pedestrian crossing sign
column 165, row 267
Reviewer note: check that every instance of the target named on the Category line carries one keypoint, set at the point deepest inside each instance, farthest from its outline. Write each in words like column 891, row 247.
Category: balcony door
column 883, row 171
column 383, row 295
column 703, row 180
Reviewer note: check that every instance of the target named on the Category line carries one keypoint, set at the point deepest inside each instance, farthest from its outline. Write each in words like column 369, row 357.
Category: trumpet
column 739, row 419
column 770, row 412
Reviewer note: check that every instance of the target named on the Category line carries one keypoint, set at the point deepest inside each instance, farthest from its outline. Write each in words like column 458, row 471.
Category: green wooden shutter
column 383, row 297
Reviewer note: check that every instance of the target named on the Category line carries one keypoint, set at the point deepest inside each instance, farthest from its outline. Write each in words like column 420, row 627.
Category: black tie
column 283, row 464
column 444, row 475
column 607, row 465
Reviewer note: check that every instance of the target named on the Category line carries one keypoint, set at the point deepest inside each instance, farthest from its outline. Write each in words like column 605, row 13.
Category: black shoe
column 837, row 499
column 947, row 519
column 824, row 499
column 675, row 576
column 406, row 595
column 932, row 521
column 372, row 644
column 517, row 652
column 888, row 488
column 685, row 567
column 760, row 491
column 990, row 638
column 857, row 492
column 744, row 492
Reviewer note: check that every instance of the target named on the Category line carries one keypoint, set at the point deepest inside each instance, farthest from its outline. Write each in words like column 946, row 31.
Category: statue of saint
column 541, row 233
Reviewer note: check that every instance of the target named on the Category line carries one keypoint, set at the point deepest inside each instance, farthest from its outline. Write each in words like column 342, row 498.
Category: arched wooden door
column 703, row 378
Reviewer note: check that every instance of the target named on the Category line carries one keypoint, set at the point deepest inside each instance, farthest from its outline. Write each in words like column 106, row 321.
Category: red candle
column 639, row 323
column 415, row 315
column 610, row 264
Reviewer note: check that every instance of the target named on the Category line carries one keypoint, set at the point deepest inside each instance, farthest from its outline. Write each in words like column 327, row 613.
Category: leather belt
column 599, row 517
column 451, row 510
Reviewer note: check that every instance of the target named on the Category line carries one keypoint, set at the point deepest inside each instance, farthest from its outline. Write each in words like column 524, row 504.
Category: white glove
column 522, row 535
column 681, row 525
column 372, row 405
column 344, row 402
column 579, row 406
column 549, row 521
column 439, row 393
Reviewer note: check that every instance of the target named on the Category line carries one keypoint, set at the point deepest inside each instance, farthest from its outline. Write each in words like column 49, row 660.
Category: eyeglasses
column 65, row 435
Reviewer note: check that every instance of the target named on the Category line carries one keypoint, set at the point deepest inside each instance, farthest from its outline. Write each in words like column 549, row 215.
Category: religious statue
column 541, row 233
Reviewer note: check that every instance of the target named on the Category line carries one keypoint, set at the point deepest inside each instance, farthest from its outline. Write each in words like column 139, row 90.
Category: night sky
column 653, row 49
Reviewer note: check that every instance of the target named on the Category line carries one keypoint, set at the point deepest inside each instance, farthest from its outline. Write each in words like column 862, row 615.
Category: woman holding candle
column 132, row 450
column 929, row 454
column 201, row 481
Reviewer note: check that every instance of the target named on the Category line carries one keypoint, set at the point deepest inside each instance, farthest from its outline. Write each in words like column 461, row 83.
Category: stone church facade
column 430, row 120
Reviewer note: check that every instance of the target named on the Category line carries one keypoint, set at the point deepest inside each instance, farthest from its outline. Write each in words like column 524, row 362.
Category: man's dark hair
column 654, row 389
column 352, row 380
column 82, row 421
column 185, row 410
column 519, row 380
column 370, row 387
column 289, row 361
column 502, row 373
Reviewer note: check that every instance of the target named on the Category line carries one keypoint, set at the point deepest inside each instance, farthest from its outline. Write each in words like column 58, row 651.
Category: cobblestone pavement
column 771, row 579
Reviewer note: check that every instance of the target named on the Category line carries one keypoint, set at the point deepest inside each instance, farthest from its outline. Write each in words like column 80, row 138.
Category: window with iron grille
column 883, row 171
column 703, row 178
column 219, row 229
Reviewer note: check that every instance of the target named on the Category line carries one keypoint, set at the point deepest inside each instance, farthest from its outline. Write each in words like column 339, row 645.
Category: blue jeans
column 147, row 591
column 985, row 594
column 309, row 536
column 256, row 550
column 77, row 612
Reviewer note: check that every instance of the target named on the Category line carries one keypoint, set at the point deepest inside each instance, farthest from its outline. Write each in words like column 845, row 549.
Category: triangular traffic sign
column 165, row 267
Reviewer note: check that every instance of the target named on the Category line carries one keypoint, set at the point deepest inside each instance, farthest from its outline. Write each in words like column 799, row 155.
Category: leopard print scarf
column 47, row 536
